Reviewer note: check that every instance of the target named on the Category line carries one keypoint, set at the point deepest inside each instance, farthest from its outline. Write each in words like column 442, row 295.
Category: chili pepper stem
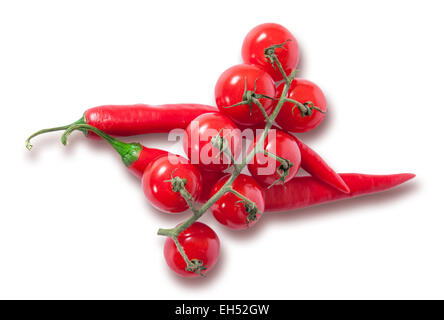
column 129, row 152
column 28, row 141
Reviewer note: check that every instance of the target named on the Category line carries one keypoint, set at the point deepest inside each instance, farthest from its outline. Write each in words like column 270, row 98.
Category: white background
column 75, row 224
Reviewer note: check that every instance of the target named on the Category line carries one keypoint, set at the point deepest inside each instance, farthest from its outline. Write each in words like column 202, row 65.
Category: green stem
column 128, row 151
column 227, row 187
column 303, row 108
column 261, row 107
column 281, row 69
column 181, row 251
column 190, row 265
column 241, row 196
column 284, row 162
column 174, row 232
column 229, row 154
column 188, row 198
column 316, row 108
column 28, row 141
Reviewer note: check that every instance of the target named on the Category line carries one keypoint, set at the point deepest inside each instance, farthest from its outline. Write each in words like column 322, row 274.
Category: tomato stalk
column 306, row 109
column 178, row 185
column 218, row 141
column 249, row 97
column 193, row 265
column 283, row 170
column 270, row 55
column 227, row 187
column 250, row 206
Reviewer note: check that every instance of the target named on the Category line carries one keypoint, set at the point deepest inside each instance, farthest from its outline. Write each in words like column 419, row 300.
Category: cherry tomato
column 262, row 37
column 230, row 211
column 209, row 179
column 230, row 89
column 200, row 244
column 197, row 141
column 160, row 191
column 306, row 92
column 266, row 169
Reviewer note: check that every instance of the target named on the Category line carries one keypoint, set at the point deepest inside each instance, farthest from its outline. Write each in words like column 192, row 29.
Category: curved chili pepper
column 129, row 120
column 303, row 192
column 137, row 157
column 134, row 155
column 318, row 168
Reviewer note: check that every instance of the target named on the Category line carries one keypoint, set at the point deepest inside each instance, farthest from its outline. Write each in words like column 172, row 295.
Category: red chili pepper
column 137, row 157
column 303, row 192
column 318, row 168
column 129, row 120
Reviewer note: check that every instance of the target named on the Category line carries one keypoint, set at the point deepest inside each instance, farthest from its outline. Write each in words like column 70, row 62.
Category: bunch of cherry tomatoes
column 243, row 93
column 263, row 98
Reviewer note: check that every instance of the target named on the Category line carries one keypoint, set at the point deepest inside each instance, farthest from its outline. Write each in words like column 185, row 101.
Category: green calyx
column 196, row 266
column 129, row 152
column 306, row 108
column 177, row 183
column 252, row 97
column 270, row 52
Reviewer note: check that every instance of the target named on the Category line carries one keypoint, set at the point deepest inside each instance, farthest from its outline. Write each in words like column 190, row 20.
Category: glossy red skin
column 129, row 120
column 199, row 242
column 198, row 138
column 303, row 91
column 303, row 192
column 264, row 36
column 313, row 163
column 159, row 192
column 228, row 211
column 146, row 156
column 281, row 144
column 318, row 168
column 230, row 88
column 209, row 179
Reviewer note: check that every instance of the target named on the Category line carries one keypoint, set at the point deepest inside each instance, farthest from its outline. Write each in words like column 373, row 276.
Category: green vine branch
column 251, row 208
column 249, row 97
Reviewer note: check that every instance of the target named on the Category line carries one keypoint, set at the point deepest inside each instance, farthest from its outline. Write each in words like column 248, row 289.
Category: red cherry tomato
column 229, row 211
column 209, row 179
column 262, row 37
column 230, row 88
column 160, row 191
column 199, row 242
column 197, row 141
column 306, row 92
column 266, row 169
